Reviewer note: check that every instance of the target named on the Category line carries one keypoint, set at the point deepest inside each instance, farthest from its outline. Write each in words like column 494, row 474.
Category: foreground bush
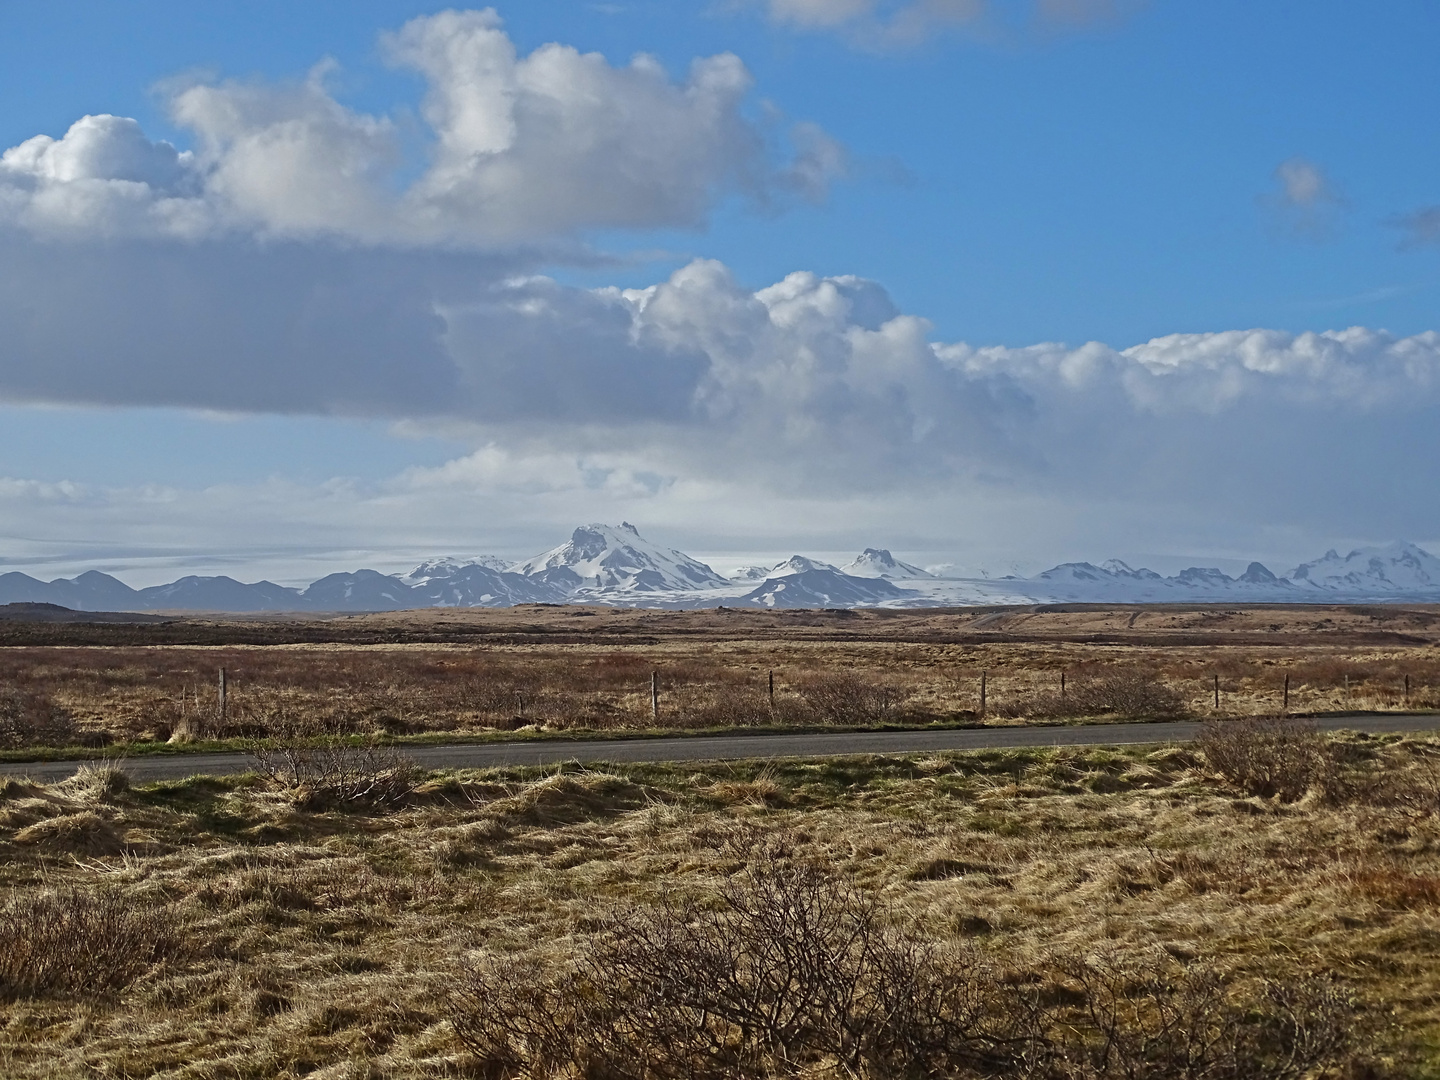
column 329, row 777
column 82, row 943
column 1267, row 756
column 791, row 971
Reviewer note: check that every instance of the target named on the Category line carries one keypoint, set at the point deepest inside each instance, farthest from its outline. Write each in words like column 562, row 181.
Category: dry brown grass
column 129, row 695
column 329, row 942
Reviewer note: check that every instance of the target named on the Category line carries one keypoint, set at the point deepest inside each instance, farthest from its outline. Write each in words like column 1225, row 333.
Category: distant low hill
column 27, row 612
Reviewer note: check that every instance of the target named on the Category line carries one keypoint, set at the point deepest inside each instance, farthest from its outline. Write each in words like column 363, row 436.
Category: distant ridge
column 28, row 612
column 615, row 565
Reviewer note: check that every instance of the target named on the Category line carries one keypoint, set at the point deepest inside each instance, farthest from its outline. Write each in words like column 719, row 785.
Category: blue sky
column 255, row 366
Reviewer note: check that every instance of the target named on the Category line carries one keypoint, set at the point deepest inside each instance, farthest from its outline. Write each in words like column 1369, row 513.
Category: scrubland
column 103, row 696
column 1265, row 904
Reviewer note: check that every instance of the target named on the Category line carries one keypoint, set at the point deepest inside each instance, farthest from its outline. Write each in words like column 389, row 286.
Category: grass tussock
column 1067, row 913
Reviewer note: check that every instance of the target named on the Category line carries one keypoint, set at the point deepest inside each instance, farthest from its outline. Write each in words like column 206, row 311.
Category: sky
column 293, row 288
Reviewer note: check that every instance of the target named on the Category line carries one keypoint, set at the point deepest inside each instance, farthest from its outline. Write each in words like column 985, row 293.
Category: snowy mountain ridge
column 1400, row 566
column 615, row 565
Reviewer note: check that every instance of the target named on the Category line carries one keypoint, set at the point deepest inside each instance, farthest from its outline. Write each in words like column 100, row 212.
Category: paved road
column 721, row 747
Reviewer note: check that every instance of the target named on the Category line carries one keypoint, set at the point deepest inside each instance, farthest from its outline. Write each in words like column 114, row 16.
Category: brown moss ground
column 324, row 942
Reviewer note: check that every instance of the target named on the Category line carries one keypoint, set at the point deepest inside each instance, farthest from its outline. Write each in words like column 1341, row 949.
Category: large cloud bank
column 809, row 382
column 280, row 266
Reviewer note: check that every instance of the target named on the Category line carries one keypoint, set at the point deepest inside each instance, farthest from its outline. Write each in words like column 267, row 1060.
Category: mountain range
column 615, row 565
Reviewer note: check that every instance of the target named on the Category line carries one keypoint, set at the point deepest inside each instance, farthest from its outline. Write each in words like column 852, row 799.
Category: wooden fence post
column 221, row 697
column 772, row 691
column 1062, row 686
column 1217, row 692
column 1286, row 706
column 654, row 695
column 983, row 676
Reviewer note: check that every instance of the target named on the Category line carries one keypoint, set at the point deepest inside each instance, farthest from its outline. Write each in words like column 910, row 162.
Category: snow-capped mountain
column 799, row 564
column 618, row 557
column 795, row 564
column 879, row 563
column 1116, row 581
column 1123, row 570
column 824, row 588
column 1395, row 568
column 474, row 585
column 449, row 566
column 750, row 573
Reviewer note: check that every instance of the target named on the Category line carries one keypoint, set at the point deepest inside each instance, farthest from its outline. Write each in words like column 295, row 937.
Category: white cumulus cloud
column 522, row 149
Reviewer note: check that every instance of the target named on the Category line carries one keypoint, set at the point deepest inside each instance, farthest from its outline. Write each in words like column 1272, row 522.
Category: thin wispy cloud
column 1421, row 227
column 880, row 25
column 1304, row 201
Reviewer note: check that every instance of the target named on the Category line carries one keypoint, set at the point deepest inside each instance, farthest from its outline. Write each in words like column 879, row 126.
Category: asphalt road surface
column 726, row 747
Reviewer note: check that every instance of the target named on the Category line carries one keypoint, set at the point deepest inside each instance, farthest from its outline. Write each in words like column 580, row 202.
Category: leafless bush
column 1417, row 790
column 318, row 778
column 850, row 698
column 1267, row 756
column 82, row 943
column 1407, row 782
column 1154, row 1017
column 790, row 968
column 730, row 705
column 1134, row 693
column 1128, row 693
column 32, row 719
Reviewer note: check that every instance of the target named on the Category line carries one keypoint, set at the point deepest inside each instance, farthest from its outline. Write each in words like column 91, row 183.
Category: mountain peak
column 601, row 556
column 1259, row 574
column 879, row 563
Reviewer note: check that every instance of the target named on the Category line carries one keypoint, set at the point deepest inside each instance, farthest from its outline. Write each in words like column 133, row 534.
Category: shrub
column 848, row 698
column 82, row 943
column 31, row 719
column 318, row 778
column 1154, row 1017
column 791, row 968
column 1267, row 756
column 1124, row 693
